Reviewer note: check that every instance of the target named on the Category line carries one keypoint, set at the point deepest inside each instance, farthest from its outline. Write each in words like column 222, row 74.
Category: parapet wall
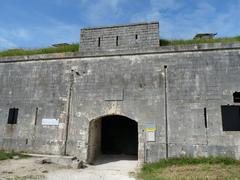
column 125, row 37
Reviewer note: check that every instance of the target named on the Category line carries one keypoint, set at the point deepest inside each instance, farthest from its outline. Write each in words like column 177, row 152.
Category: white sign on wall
column 150, row 136
column 150, row 130
column 50, row 122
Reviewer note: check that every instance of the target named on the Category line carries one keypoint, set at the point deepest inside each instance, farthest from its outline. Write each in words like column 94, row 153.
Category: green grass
column 20, row 52
column 164, row 42
column 75, row 47
column 192, row 168
column 10, row 155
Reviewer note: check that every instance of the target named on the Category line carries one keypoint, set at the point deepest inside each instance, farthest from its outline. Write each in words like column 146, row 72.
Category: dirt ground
column 104, row 169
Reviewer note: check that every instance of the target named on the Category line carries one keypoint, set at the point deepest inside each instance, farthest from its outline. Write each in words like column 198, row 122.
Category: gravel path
column 106, row 168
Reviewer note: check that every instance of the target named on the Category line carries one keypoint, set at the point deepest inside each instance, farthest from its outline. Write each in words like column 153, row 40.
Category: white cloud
column 20, row 33
column 53, row 31
column 101, row 12
column 228, row 21
column 157, row 10
column 178, row 20
column 165, row 4
column 6, row 44
column 56, row 34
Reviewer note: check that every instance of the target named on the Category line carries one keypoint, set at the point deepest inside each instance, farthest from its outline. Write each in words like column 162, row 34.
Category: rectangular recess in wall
column 12, row 116
column 36, row 115
column 230, row 118
column 117, row 41
column 205, row 117
column 99, row 42
column 136, row 36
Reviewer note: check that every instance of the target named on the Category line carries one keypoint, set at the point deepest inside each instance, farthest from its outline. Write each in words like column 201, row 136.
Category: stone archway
column 112, row 135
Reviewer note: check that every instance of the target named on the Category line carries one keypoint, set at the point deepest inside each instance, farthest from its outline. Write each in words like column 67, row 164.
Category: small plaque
column 150, row 136
column 150, row 132
column 50, row 122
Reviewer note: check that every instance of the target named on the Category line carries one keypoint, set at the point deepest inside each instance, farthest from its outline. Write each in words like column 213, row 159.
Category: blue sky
column 40, row 23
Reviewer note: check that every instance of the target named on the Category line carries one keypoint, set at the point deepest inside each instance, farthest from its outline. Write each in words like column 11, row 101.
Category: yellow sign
column 150, row 129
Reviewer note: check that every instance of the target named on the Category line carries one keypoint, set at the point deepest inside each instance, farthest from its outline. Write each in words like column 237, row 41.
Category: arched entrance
column 112, row 135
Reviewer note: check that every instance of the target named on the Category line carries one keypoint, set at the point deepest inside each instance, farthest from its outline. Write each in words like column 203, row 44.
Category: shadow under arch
column 113, row 137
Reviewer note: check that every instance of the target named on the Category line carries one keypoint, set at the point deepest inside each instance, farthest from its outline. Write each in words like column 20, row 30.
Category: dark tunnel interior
column 119, row 135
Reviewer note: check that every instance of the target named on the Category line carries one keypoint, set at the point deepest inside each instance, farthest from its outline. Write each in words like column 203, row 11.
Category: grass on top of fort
column 164, row 42
column 192, row 168
column 21, row 52
column 11, row 155
column 75, row 47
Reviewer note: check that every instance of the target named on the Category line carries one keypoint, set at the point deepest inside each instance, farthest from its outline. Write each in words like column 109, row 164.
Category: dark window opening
column 12, row 116
column 231, row 118
column 117, row 41
column 136, row 36
column 99, row 42
column 236, row 97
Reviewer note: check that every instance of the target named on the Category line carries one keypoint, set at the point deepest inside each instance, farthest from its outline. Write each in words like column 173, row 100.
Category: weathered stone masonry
column 148, row 84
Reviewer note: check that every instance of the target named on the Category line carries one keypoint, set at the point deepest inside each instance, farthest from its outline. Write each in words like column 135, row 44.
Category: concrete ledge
column 158, row 50
column 120, row 25
column 36, row 57
column 165, row 49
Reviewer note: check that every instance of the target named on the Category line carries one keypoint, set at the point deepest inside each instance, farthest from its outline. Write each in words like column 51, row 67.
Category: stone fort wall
column 179, row 89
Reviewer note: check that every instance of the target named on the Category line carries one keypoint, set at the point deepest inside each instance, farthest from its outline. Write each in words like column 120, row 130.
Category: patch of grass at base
column 192, row 168
column 10, row 155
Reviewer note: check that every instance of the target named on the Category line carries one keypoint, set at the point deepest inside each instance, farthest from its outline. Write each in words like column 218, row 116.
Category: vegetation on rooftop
column 191, row 168
column 20, row 52
column 75, row 47
column 164, row 42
